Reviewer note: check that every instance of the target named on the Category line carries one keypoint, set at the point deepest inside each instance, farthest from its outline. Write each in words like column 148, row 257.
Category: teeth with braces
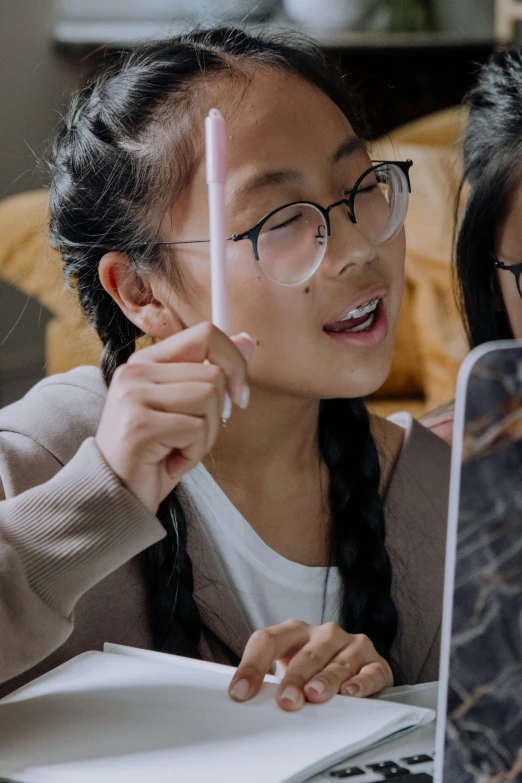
column 357, row 312
column 365, row 326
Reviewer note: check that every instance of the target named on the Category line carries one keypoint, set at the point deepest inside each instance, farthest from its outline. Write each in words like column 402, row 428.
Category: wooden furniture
column 507, row 13
column 398, row 77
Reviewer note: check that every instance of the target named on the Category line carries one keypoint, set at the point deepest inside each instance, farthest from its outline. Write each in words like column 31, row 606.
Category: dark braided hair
column 114, row 178
column 492, row 167
column 358, row 533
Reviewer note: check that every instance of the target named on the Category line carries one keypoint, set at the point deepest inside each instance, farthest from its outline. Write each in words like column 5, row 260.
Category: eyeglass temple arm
column 516, row 269
column 233, row 238
column 404, row 165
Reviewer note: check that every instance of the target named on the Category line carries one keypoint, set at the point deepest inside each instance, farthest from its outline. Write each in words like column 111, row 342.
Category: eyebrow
column 347, row 148
column 268, row 180
column 291, row 176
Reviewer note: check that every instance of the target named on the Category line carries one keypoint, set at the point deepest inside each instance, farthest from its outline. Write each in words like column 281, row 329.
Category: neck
column 275, row 433
column 267, row 462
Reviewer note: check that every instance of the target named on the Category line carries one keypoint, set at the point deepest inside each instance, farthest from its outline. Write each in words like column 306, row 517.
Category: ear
column 136, row 297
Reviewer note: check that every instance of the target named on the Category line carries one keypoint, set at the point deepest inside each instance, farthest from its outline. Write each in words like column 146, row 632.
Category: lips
column 366, row 334
column 357, row 320
column 358, row 312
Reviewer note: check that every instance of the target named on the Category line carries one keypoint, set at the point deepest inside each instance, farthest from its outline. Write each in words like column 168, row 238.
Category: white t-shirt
column 269, row 587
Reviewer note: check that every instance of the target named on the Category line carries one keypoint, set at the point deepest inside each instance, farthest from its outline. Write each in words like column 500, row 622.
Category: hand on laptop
column 319, row 662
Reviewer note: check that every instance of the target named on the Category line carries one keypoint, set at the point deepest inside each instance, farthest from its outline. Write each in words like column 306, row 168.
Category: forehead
column 277, row 119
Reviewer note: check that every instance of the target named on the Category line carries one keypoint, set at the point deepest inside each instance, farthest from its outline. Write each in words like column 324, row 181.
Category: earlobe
column 134, row 294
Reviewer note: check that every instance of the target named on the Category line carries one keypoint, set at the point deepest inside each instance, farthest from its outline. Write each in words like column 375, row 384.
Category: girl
column 489, row 248
column 489, row 245
column 303, row 532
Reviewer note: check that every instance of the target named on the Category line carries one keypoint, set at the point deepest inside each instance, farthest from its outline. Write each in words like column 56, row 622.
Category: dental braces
column 360, row 311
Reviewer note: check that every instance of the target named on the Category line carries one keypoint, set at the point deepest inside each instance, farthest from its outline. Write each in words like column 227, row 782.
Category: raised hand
column 164, row 406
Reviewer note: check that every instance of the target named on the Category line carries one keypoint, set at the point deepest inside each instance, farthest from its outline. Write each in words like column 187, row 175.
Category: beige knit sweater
column 70, row 533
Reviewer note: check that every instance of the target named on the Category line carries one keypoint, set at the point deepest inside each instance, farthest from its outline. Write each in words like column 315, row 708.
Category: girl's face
column 286, row 141
column 509, row 250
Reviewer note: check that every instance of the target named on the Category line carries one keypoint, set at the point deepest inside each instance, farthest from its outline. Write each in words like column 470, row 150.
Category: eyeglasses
column 515, row 269
column 290, row 242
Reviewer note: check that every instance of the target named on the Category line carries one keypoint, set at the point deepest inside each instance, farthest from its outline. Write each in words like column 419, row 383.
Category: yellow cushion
column 430, row 342
column 441, row 129
column 29, row 263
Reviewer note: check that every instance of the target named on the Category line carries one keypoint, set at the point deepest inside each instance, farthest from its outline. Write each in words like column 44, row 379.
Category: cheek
column 254, row 303
column 269, row 314
column 512, row 301
column 398, row 255
column 392, row 258
column 283, row 324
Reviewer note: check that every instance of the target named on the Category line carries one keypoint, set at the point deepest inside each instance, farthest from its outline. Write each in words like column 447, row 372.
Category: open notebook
column 124, row 716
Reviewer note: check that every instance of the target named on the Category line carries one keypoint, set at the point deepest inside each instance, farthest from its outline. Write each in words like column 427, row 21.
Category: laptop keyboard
column 398, row 771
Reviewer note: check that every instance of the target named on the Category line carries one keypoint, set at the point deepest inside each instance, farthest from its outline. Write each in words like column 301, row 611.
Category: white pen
column 215, row 154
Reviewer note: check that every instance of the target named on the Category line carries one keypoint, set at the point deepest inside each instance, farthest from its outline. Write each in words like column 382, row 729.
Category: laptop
column 478, row 734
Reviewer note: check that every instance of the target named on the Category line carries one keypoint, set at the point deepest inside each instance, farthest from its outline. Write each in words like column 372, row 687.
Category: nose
column 347, row 247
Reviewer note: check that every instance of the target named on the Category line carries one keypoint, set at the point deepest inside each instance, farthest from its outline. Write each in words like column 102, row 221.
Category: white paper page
column 112, row 719
column 168, row 660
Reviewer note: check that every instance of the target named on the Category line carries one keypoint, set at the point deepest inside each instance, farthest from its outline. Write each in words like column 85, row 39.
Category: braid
column 86, row 158
column 167, row 567
column 358, row 532
column 119, row 343
column 175, row 624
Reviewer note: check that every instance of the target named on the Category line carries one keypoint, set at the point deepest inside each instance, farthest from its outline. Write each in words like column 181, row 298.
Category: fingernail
column 317, row 685
column 227, row 408
column 244, row 396
column 240, row 690
column 247, row 350
column 353, row 689
column 291, row 694
column 248, row 337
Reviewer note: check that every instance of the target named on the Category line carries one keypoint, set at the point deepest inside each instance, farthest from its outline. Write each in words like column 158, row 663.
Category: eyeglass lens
column 292, row 242
column 381, row 203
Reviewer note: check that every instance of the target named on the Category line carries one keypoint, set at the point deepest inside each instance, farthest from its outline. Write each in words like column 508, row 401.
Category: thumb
column 245, row 344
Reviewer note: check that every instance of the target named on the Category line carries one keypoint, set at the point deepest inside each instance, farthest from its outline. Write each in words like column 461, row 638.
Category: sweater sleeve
column 62, row 530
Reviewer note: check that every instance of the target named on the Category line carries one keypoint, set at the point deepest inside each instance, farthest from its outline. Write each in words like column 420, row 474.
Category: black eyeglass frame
column 515, row 269
column 253, row 233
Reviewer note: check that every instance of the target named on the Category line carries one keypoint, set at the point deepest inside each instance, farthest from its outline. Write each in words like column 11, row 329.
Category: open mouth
column 360, row 319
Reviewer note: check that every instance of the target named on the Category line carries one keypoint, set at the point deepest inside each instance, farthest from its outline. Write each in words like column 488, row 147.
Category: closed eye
column 286, row 222
column 368, row 189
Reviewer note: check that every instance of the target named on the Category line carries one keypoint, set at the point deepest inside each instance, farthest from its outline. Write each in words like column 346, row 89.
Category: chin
column 330, row 375
column 362, row 382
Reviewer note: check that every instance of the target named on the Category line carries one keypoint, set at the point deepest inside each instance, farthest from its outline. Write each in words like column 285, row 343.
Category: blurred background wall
column 35, row 84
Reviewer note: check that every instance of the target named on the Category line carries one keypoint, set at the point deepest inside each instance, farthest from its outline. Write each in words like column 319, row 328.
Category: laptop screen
column 483, row 732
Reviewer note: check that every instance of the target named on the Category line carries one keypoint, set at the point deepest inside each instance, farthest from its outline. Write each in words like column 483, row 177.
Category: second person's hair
column 493, row 168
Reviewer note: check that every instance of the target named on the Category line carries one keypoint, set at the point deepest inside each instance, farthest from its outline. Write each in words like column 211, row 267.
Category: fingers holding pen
column 206, row 343
column 164, row 407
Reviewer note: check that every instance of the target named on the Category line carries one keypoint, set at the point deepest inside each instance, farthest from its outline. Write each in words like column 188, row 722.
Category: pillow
column 430, row 342
column 29, row 263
